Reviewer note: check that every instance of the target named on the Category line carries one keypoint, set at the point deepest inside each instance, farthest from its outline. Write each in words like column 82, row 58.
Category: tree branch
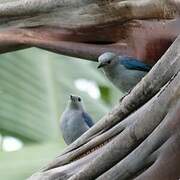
column 29, row 13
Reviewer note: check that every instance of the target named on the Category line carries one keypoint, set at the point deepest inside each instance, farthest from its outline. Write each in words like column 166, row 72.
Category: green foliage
column 34, row 89
column 21, row 164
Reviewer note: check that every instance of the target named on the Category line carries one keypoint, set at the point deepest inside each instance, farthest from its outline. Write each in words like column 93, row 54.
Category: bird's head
column 107, row 59
column 75, row 102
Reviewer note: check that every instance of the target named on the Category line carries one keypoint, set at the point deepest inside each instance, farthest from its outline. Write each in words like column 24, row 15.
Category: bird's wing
column 87, row 119
column 131, row 63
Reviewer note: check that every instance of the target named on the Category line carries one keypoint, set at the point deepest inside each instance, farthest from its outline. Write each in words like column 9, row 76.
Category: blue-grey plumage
column 124, row 72
column 75, row 120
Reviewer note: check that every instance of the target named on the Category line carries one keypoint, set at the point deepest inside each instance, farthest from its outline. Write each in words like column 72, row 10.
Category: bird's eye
column 79, row 99
column 109, row 62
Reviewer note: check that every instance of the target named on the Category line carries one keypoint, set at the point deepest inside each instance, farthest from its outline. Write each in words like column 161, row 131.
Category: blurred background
column 34, row 89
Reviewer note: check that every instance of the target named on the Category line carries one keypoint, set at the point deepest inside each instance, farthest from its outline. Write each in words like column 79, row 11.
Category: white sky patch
column 88, row 86
column 11, row 144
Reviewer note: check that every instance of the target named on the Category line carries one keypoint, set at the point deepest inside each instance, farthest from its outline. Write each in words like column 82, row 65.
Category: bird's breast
column 124, row 79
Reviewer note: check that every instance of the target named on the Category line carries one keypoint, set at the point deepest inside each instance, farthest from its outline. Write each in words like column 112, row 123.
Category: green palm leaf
column 34, row 89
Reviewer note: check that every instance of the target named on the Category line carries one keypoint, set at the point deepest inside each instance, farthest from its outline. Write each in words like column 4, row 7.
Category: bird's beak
column 71, row 97
column 101, row 65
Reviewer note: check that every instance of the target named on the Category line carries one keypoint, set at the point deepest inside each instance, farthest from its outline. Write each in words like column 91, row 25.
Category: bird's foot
column 124, row 95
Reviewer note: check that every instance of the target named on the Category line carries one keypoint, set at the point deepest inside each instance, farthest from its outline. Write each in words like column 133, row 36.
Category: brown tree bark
column 139, row 138
column 85, row 29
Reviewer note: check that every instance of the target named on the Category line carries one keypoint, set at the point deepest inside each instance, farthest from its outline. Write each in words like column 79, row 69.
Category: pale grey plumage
column 75, row 120
column 124, row 72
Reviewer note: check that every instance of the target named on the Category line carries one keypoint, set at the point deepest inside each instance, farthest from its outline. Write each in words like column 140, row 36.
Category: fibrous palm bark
column 139, row 137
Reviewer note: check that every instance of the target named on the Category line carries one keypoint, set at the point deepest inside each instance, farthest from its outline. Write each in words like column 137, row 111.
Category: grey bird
column 75, row 120
column 123, row 71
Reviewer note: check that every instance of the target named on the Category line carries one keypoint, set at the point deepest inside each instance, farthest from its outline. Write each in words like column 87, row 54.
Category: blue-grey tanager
column 124, row 72
column 74, row 120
